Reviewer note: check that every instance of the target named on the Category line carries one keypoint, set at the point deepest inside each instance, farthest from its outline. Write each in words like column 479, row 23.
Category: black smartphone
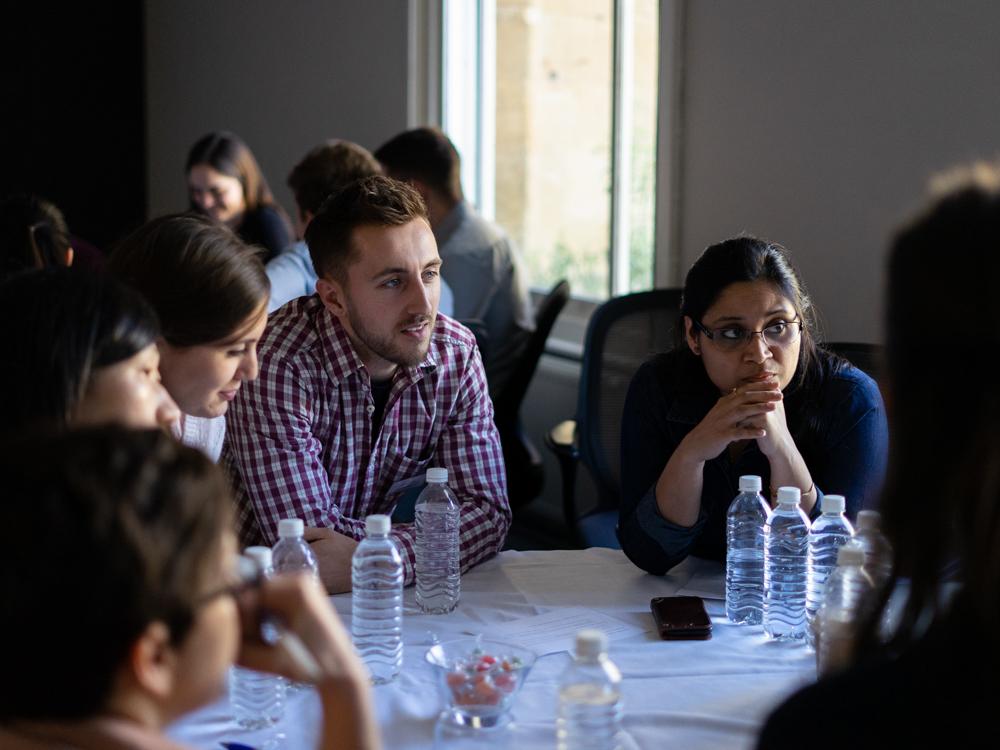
column 681, row 618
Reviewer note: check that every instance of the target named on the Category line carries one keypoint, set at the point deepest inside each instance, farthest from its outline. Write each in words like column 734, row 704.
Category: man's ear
column 689, row 335
column 152, row 661
column 331, row 294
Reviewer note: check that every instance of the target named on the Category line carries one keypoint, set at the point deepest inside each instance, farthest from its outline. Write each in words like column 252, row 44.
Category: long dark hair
column 33, row 234
column 203, row 281
column 743, row 259
column 941, row 502
column 227, row 154
column 62, row 324
column 130, row 523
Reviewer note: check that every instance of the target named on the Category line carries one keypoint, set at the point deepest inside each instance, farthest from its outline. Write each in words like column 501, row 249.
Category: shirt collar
column 451, row 222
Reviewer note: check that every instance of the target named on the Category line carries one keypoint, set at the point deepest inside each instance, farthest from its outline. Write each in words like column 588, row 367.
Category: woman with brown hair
column 33, row 234
column 226, row 184
column 210, row 292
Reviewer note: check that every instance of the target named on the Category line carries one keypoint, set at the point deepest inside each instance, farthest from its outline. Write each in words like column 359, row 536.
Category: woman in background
column 746, row 391
column 210, row 292
column 79, row 349
column 33, row 234
column 225, row 183
column 932, row 681
column 126, row 613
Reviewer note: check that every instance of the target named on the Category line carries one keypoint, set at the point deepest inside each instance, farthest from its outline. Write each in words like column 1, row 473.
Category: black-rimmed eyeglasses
column 780, row 333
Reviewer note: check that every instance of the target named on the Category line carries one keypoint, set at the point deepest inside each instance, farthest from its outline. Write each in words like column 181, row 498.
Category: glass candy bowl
column 478, row 679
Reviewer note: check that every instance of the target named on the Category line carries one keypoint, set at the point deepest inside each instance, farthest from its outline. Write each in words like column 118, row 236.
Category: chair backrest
column 623, row 333
column 507, row 403
column 866, row 357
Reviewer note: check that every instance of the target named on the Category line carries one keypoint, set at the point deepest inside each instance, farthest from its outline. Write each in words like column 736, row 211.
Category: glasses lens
column 781, row 334
column 731, row 338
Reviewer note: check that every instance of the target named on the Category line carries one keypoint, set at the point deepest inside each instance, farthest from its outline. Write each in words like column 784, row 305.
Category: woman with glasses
column 226, row 184
column 126, row 613
column 746, row 391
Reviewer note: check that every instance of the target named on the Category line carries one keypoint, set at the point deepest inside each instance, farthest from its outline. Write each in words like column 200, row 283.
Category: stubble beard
column 386, row 347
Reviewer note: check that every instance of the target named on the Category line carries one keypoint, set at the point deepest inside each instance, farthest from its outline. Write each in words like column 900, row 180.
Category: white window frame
column 445, row 29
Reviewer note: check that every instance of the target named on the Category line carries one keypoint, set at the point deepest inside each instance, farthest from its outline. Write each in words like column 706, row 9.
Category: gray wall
column 817, row 123
column 284, row 76
column 811, row 122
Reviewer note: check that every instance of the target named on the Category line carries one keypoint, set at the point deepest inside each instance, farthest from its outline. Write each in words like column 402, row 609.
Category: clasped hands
column 751, row 411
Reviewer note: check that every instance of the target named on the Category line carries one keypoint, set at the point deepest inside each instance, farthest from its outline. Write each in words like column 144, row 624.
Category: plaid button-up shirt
column 300, row 441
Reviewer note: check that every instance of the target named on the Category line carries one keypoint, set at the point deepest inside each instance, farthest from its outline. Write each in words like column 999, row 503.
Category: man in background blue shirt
column 320, row 173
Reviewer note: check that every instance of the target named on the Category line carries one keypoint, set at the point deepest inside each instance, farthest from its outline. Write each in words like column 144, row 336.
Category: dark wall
column 72, row 116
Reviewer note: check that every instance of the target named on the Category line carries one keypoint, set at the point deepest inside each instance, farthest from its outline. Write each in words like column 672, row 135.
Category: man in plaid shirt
column 362, row 387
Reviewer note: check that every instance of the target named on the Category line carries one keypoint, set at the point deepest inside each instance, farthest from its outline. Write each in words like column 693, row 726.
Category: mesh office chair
column 525, row 471
column 623, row 333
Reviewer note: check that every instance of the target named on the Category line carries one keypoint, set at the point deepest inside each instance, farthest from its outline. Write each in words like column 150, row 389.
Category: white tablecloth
column 683, row 694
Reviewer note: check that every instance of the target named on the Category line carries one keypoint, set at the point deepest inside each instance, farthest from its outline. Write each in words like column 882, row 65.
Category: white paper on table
column 555, row 631
column 705, row 585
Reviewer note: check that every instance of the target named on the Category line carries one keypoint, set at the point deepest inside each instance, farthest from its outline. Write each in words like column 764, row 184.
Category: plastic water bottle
column 257, row 699
column 745, row 554
column 292, row 554
column 786, row 538
column 377, row 601
column 590, row 704
column 829, row 533
column 438, row 572
column 878, row 552
column 848, row 591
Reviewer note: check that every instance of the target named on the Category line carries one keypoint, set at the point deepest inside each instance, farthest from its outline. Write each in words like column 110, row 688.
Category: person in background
column 79, row 349
column 225, row 183
column 210, row 292
column 363, row 387
column 33, row 234
column 127, row 613
column 930, row 681
column 479, row 261
column 746, row 391
column 322, row 172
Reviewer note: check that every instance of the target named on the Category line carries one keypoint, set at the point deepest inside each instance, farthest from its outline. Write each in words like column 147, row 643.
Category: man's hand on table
column 333, row 553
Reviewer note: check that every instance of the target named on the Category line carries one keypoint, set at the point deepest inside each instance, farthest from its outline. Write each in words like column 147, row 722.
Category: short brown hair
column 371, row 201
column 328, row 168
column 110, row 530
column 199, row 276
column 424, row 154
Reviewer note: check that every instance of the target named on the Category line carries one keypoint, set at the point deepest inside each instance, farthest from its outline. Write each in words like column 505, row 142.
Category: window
column 553, row 107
